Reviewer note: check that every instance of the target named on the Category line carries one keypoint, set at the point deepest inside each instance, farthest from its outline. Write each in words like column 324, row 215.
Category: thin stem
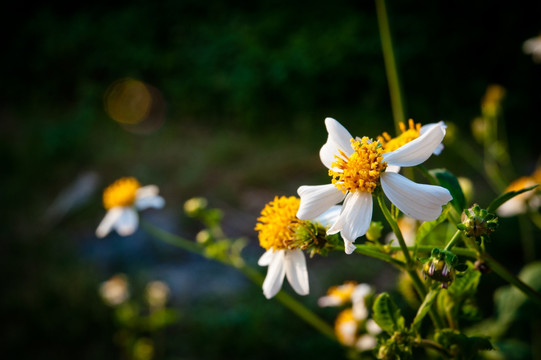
column 289, row 302
column 390, row 64
column 410, row 264
column 453, row 240
column 369, row 251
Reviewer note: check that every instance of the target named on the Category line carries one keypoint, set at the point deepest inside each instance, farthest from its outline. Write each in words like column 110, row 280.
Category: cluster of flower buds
column 477, row 222
column 441, row 267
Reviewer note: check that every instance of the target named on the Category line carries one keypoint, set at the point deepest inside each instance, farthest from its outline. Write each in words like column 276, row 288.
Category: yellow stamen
column 342, row 292
column 407, row 135
column 277, row 223
column 346, row 327
column 360, row 171
column 120, row 193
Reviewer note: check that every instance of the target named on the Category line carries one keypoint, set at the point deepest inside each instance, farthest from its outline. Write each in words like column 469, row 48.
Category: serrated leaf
column 466, row 285
column 387, row 315
column 450, row 182
column 496, row 203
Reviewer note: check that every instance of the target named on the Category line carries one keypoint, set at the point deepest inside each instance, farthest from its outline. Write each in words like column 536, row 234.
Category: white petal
column 339, row 138
column 349, row 248
column 417, row 151
column 266, row 258
column 127, row 223
column 330, row 216
column 393, row 168
column 329, row 300
column 108, row 221
column 296, row 271
column 146, row 202
column 275, row 275
column 147, row 190
column 355, row 217
column 420, row 201
column 316, row 199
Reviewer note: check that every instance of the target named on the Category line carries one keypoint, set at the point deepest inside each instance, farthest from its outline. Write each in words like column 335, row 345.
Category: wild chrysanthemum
column 122, row 199
column 284, row 237
column 357, row 167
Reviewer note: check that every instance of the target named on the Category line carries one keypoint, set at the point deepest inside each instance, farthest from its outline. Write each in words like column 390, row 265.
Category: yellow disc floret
column 277, row 223
column 407, row 135
column 121, row 193
column 359, row 171
column 343, row 292
column 346, row 327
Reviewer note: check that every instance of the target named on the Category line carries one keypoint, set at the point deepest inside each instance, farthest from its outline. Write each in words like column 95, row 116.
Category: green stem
column 453, row 240
column 390, row 64
column 493, row 264
column 425, row 307
column 410, row 264
column 289, row 302
column 368, row 250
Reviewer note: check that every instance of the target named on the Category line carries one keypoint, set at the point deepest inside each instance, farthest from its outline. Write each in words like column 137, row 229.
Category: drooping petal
column 419, row 150
column 127, row 223
column 339, row 138
column 108, row 221
column 355, row 218
column 266, row 258
column 296, row 271
column 420, row 201
column 349, row 248
column 275, row 275
column 146, row 202
column 316, row 199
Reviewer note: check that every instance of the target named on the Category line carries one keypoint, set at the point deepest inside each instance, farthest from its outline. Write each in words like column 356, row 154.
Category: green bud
column 374, row 231
column 312, row 236
column 477, row 222
column 195, row 205
column 442, row 266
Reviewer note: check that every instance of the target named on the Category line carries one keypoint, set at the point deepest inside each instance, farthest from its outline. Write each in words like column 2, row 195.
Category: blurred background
column 224, row 100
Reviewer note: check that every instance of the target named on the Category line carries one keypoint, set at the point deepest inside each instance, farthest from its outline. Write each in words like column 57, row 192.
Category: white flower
column 357, row 167
column 122, row 199
column 284, row 263
column 533, row 46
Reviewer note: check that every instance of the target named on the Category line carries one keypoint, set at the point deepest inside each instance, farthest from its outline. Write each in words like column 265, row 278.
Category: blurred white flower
column 357, row 167
column 157, row 293
column 525, row 202
column 115, row 290
column 533, row 47
column 122, row 199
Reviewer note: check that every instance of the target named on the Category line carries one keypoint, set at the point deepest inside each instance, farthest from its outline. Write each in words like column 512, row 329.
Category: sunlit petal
column 108, row 221
column 275, row 275
column 420, row 201
column 419, row 150
column 296, row 271
column 339, row 139
column 266, row 258
column 330, row 216
column 355, row 217
column 315, row 200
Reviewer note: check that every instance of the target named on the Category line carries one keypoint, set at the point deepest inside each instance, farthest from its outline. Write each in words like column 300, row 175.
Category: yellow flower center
column 277, row 223
column 120, row 193
column 360, row 171
column 407, row 135
column 346, row 327
column 342, row 292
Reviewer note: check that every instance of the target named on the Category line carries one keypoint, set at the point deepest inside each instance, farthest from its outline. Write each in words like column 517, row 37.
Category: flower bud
column 477, row 222
column 195, row 205
column 441, row 267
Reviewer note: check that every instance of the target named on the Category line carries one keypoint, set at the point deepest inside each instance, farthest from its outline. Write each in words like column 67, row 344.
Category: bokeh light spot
column 128, row 101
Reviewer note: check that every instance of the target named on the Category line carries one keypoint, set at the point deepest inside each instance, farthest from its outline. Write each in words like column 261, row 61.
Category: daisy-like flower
column 276, row 227
column 282, row 234
column 533, row 46
column 358, row 166
column 122, row 199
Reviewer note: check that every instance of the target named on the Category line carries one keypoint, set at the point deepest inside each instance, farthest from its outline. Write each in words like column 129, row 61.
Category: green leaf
column 428, row 226
column 387, row 315
column 496, row 203
column 450, row 182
